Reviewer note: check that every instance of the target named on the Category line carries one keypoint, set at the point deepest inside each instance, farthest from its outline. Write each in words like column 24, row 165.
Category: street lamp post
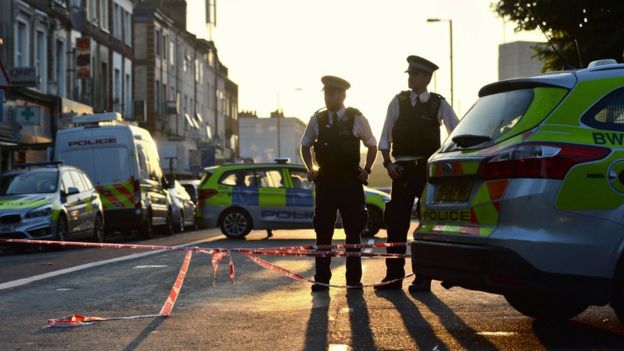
column 431, row 20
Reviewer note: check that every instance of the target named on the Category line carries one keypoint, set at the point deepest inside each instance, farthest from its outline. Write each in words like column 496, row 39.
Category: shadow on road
column 461, row 331
column 145, row 334
column 571, row 334
column 317, row 331
column 361, row 333
column 418, row 327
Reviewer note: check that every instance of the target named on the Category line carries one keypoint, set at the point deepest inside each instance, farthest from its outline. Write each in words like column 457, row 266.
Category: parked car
column 183, row 207
column 525, row 198
column 123, row 163
column 49, row 201
column 241, row 197
column 192, row 188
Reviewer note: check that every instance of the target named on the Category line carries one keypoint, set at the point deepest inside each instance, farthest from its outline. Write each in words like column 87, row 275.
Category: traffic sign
column 4, row 78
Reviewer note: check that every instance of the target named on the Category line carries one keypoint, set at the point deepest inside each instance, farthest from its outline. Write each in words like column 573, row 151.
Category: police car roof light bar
column 38, row 164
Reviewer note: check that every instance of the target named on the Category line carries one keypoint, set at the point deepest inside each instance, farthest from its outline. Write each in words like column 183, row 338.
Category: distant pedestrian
column 412, row 132
column 335, row 134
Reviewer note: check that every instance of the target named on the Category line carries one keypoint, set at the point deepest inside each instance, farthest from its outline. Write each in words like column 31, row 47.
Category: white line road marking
column 34, row 278
column 150, row 266
column 499, row 333
column 338, row 347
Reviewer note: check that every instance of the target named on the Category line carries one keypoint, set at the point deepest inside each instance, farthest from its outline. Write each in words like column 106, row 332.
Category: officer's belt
column 411, row 163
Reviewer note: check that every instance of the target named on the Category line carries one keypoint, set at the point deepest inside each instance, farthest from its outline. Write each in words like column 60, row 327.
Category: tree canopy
column 597, row 26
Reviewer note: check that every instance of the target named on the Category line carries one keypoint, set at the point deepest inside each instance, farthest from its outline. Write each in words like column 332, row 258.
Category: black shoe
column 319, row 287
column 397, row 285
column 420, row 286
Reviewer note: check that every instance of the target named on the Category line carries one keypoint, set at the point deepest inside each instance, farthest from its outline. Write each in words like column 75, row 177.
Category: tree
column 595, row 24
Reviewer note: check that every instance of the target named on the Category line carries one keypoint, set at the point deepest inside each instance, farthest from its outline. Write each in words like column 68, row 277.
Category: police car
column 241, row 197
column 526, row 197
column 49, row 201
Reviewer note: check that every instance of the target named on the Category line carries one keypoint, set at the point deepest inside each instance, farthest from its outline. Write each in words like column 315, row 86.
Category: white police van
column 123, row 163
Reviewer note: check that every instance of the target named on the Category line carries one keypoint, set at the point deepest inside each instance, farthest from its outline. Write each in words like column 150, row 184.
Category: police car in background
column 526, row 196
column 241, row 197
column 47, row 201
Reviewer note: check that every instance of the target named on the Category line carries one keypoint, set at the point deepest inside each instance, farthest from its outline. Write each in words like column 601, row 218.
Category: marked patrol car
column 241, row 197
column 526, row 197
column 49, row 201
column 123, row 163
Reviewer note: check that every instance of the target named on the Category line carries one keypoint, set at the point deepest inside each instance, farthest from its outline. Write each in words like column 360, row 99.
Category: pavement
column 261, row 310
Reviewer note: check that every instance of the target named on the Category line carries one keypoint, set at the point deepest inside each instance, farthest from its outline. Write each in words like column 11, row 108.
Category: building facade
column 63, row 57
column 516, row 59
column 265, row 139
column 190, row 103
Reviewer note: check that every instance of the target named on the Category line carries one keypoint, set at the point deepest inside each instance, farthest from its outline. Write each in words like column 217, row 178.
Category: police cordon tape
column 218, row 254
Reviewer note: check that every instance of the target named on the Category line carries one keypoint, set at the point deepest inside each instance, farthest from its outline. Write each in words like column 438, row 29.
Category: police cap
column 417, row 63
column 335, row 83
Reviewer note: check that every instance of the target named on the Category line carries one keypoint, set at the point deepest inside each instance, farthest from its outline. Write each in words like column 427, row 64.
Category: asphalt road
column 261, row 310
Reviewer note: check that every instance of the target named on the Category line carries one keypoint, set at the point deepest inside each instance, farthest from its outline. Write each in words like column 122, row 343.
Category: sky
column 277, row 50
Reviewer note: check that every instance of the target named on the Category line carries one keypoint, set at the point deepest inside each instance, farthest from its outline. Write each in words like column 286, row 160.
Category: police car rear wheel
column 375, row 219
column 236, row 224
column 147, row 229
column 547, row 308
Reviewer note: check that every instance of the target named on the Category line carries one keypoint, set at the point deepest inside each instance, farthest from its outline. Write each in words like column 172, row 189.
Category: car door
column 83, row 199
column 90, row 199
column 71, row 202
column 300, row 195
column 188, row 204
column 272, row 196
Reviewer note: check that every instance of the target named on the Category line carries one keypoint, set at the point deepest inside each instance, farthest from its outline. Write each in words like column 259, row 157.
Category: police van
column 526, row 197
column 123, row 163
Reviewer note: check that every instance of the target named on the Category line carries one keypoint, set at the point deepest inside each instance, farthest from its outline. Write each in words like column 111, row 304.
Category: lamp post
column 432, row 20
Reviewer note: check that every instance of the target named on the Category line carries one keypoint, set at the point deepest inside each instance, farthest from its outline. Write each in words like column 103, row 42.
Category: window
column 128, row 98
column 608, row 113
column 28, row 183
column 164, row 49
column 158, row 39
column 184, row 62
column 117, row 90
column 127, row 28
column 67, row 182
column 172, row 53
column 60, row 73
column 22, row 43
column 271, row 178
column 78, row 181
column 41, row 60
column 86, row 181
column 299, row 178
column 104, row 80
column 111, row 165
column 243, row 177
column 157, row 98
column 117, row 21
column 104, row 14
column 92, row 10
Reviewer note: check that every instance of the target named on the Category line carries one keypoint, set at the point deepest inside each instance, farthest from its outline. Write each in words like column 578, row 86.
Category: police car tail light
column 543, row 160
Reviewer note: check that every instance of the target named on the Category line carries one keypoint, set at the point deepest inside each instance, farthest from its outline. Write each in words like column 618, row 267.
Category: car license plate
column 453, row 189
column 6, row 228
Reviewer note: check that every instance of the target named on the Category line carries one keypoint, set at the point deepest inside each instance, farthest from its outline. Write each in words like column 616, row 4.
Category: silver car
column 49, row 201
column 182, row 206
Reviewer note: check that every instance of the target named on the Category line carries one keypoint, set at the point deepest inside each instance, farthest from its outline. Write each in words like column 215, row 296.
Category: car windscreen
column 106, row 165
column 28, row 183
column 496, row 117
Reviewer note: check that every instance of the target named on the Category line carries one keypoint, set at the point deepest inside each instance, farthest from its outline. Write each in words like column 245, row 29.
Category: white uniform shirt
column 361, row 129
column 445, row 115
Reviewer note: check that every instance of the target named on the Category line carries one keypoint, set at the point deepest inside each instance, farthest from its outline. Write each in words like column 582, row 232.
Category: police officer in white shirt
column 335, row 134
column 412, row 132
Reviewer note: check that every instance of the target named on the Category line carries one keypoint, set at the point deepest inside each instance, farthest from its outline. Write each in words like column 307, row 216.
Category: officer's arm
column 448, row 116
column 386, row 135
column 306, row 154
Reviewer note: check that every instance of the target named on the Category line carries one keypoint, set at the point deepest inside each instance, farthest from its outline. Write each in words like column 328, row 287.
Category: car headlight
column 42, row 211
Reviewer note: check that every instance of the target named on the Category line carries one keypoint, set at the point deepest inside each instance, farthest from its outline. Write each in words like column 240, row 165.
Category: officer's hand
column 363, row 176
column 393, row 171
column 312, row 175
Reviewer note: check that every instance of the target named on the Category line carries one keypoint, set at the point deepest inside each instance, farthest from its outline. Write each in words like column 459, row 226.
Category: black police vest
column 337, row 150
column 417, row 130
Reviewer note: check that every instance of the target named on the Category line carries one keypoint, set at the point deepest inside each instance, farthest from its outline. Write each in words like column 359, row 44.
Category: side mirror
column 72, row 191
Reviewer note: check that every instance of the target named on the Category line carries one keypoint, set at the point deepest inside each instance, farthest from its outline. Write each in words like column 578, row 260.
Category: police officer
column 412, row 131
column 335, row 134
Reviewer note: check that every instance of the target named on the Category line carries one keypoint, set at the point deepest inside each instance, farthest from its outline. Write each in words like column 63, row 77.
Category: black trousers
column 398, row 211
column 346, row 196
